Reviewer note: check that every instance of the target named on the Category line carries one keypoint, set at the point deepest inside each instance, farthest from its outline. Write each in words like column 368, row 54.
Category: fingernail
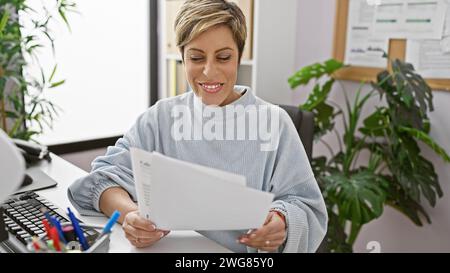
column 154, row 227
column 161, row 234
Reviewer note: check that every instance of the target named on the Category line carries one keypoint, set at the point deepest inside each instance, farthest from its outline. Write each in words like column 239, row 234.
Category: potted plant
column 396, row 173
column 23, row 106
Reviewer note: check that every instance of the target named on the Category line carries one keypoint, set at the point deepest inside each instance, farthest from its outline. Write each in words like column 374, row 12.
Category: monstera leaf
column 425, row 138
column 414, row 173
column 412, row 87
column 398, row 199
column 323, row 112
column 359, row 198
column 315, row 71
column 376, row 124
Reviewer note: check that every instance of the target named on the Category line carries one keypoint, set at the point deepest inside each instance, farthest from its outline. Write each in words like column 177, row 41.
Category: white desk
column 177, row 241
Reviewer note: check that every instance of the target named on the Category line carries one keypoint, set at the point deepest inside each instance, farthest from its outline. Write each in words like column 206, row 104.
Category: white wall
column 392, row 230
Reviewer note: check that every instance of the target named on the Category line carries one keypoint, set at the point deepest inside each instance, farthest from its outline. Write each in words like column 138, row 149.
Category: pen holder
column 100, row 245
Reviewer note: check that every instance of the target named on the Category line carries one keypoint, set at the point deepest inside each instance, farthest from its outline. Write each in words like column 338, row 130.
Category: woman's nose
column 210, row 70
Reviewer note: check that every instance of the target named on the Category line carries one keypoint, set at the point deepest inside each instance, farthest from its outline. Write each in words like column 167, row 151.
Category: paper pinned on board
column 361, row 48
column 428, row 58
column 409, row 19
column 177, row 195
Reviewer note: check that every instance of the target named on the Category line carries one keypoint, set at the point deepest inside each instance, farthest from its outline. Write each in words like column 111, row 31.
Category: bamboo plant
column 23, row 107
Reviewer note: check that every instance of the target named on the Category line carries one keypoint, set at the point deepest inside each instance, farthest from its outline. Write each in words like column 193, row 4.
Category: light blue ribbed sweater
column 284, row 171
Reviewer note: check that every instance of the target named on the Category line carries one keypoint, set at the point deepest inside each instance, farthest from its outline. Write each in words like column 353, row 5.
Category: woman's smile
column 212, row 88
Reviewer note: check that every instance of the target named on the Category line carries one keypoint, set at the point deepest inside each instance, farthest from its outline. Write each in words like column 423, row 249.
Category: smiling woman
column 211, row 62
column 211, row 37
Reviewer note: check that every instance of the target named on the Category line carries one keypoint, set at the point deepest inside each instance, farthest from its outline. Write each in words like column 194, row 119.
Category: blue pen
column 78, row 231
column 112, row 220
column 58, row 227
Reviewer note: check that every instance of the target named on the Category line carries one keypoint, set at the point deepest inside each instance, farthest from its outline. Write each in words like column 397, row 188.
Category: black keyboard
column 23, row 215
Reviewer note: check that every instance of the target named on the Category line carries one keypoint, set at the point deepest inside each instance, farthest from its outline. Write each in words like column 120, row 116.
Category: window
column 105, row 62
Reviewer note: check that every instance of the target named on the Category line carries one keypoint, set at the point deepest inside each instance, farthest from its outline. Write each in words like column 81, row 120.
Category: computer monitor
column 12, row 167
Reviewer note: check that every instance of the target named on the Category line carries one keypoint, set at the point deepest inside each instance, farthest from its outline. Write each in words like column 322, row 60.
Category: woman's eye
column 196, row 59
column 224, row 58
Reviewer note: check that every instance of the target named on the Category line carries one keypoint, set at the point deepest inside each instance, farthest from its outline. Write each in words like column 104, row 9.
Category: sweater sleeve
column 297, row 194
column 112, row 169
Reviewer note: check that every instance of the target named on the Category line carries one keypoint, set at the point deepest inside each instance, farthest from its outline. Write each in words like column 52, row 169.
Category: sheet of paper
column 428, row 58
column 409, row 19
column 361, row 49
column 177, row 196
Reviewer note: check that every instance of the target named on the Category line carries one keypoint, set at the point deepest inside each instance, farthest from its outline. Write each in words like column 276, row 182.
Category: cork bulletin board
column 397, row 50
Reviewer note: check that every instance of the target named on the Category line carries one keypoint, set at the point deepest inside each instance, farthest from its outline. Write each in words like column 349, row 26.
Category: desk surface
column 177, row 241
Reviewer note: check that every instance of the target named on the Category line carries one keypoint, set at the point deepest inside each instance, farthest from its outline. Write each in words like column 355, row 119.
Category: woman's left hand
column 269, row 237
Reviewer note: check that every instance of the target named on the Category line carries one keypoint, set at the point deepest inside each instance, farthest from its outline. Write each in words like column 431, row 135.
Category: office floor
column 83, row 159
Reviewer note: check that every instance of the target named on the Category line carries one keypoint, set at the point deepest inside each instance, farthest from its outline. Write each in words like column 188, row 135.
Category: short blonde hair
column 197, row 16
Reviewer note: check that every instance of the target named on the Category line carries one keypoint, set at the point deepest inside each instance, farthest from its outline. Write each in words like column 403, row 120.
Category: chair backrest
column 304, row 123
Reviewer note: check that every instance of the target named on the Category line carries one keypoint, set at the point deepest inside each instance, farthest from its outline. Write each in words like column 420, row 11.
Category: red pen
column 55, row 238
column 35, row 244
column 47, row 228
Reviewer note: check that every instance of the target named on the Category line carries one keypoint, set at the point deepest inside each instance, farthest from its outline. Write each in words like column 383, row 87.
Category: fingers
column 137, row 221
column 269, row 237
column 141, row 232
column 274, row 226
column 140, row 243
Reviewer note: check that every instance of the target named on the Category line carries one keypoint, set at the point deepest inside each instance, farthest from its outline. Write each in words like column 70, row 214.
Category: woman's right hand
column 140, row 231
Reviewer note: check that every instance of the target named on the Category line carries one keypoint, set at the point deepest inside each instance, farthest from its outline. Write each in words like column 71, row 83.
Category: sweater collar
column 247, row 98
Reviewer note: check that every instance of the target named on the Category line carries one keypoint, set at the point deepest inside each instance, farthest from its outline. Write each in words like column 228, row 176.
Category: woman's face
column 211, row 62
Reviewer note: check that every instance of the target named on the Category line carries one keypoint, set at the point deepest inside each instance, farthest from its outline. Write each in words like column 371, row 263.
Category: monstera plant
column 396, row 173
column 23, row 32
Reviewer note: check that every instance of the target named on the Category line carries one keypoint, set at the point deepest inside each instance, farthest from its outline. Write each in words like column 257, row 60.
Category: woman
column 211, row 37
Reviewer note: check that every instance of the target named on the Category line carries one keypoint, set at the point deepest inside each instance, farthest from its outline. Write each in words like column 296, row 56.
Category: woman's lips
column 212, row 88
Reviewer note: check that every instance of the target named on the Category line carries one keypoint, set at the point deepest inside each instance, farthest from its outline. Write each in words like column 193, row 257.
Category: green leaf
column 315, row 71
column 415, row 174
column 53, row 73
column 360, row 197
column 422, row 136
column 323, row 120
column 412, row 88
column 3, row 21
column 318, row 96
column 56, row 84
column 62, row 13
column 376, row 124
column 332, row 66
column 10, row 114
column 398, row 199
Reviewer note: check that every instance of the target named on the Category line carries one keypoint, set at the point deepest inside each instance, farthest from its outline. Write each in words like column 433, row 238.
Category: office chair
column 304, row 123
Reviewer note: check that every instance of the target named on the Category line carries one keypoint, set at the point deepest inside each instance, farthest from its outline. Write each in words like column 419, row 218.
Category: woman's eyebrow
column 199, row 50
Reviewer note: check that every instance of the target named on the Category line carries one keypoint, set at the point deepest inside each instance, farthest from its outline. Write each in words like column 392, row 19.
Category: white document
column 428, row 58
column 409, row 19
column 178, row 195
column 361, row 49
